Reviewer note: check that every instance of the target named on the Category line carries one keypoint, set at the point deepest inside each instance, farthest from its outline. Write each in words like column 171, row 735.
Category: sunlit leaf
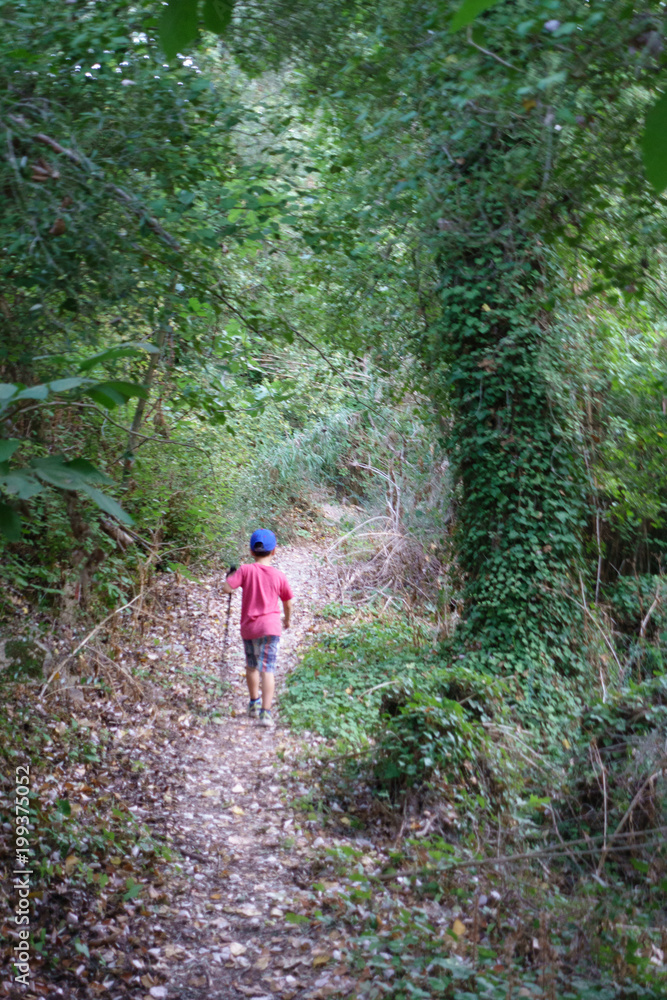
column 82, row 948
column 183, row 570
column 7, row 391
column 134, row 890
column 64, row 384
column 468, row 11
column 33, row 392
column 53, row 470
column 77, row 474
column 88, row 471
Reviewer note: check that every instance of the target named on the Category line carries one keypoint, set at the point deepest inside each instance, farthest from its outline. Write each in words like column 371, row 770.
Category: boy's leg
column 266, row 661
column 252, row 678
column 268, row 687
column 251, row 672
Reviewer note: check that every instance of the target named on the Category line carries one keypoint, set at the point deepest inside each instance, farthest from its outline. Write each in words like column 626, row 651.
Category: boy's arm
column 287, row 610
column 226, row 589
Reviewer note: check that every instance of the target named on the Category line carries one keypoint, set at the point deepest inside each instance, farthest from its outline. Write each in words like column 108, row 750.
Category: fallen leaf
column 321, row 960
column 237, row 810
column 458, row 928
column 71, row 861
column 236, row 948
column 173, row 951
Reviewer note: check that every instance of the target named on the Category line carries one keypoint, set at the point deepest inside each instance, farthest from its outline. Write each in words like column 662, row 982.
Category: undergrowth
column 338, row 688
column 575, row 806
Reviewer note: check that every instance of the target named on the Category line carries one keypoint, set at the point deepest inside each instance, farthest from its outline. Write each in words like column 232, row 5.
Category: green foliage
column 654, row 144
column 421, row 725
column 633, row 601
column 412, row 958
column 332, row 691
column 178, row 26
column 125, row 198
column 52, row 470
column 434, row 736
column 468, row 11
column 472, row 188
column 217, row 14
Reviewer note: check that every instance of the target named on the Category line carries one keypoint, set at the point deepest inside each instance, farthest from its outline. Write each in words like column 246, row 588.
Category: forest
column 388, row 279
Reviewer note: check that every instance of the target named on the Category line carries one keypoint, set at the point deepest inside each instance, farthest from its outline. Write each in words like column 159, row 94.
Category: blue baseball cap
column 262, row 540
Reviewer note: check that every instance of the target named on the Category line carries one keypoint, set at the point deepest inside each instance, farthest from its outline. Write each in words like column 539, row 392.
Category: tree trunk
column 137, row 420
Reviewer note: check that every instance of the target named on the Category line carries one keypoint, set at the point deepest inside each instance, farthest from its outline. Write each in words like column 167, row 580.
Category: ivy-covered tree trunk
column 521, row 500
column 520, row 513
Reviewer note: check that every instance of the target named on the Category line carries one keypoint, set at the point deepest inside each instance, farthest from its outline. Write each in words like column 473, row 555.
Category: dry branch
column 555, row 851
column 119, row 192
column 85, row 642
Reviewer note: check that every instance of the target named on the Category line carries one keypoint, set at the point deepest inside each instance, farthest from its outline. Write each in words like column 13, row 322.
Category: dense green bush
column 337, row 688
column 422, row 726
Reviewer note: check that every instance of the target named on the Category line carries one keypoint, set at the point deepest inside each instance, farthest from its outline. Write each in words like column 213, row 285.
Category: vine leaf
column 120, row 351
column 77, row 474
column 178, row 26
column 654, row 144
column 218, row 14
column 10, row 523
column 7, row 448
column 468, row 11
column 115, row 393
column 106, row 503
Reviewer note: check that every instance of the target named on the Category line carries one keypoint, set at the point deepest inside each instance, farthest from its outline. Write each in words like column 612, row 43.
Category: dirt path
column 249, row 870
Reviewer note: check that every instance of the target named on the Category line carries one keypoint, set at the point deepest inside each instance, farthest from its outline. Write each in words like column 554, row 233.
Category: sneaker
column 254, row 708
column 265, row 718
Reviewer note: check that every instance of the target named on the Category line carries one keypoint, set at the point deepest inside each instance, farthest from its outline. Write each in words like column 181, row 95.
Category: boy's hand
column 226, row 589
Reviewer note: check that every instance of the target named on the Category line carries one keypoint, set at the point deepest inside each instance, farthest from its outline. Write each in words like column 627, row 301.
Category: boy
column 263, row 586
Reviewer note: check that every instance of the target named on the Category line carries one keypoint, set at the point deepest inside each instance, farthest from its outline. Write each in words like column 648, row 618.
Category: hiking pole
column 225, row 642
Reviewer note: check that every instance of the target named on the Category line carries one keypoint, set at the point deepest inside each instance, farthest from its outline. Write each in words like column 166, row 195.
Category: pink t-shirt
column 263, row 587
